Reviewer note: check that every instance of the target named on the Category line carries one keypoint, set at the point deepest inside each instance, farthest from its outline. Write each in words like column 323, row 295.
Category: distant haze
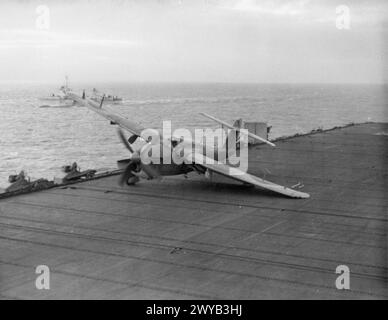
column 294, row 41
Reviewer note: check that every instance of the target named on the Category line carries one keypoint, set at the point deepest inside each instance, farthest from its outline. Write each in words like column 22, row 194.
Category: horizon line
column 90, row 82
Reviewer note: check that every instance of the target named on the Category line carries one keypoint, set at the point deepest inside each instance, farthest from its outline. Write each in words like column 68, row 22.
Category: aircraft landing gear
column 132, row 180
column 209, row 175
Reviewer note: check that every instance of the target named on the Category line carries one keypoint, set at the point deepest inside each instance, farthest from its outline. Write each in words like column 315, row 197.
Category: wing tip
column 302, row 195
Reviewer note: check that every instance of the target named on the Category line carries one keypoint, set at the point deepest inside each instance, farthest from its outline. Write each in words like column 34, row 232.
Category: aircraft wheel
column 132, row 180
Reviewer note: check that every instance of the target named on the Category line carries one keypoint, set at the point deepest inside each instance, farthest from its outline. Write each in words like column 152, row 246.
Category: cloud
column 277, row 8
column 31, row 38
column 321, row 11
column 209, row 40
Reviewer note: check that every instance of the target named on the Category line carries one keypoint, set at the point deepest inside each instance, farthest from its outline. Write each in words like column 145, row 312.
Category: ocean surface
column 42, row 140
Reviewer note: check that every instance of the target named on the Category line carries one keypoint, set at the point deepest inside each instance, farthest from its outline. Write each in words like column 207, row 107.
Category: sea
column 42, row 140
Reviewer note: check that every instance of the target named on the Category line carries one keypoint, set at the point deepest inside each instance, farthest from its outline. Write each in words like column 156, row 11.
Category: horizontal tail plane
column 234, row 128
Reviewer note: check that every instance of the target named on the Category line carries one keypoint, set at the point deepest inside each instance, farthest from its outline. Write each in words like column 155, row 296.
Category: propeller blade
column 124, row 140
column 126, row 174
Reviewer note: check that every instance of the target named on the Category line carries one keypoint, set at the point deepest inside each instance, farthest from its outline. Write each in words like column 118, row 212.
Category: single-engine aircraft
column 196, row 161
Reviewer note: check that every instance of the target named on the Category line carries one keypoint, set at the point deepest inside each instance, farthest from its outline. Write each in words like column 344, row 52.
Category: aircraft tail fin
column 233, row 137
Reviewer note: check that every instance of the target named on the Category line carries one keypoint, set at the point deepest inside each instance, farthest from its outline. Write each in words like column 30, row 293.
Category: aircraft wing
column 121, row 121
column 237, row 174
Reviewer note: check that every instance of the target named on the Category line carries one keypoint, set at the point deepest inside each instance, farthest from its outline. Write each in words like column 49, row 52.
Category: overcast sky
column 206, row 41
